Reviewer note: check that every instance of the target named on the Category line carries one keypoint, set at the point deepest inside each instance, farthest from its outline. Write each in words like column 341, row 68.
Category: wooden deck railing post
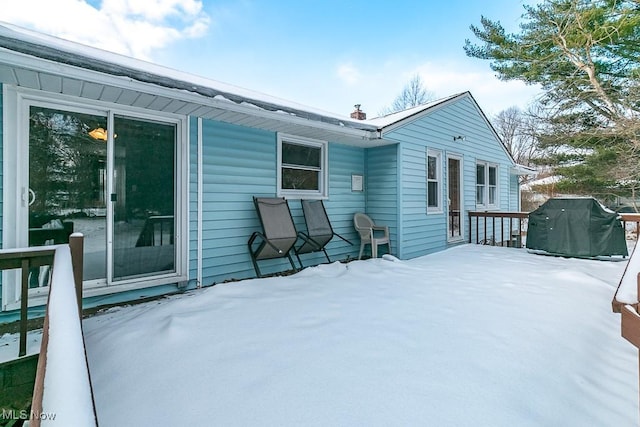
column 24, row 306
column 477, row 229
column 485, row 228
column 630, row 311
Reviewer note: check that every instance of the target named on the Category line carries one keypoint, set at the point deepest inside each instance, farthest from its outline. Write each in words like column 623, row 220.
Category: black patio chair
column 319, row 231
column 279, row 232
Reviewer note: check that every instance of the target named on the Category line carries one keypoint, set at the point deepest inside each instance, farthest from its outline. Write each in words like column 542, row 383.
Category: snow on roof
column 547, row 180
column 392, row 118
column 59, row 50
column 55, row 49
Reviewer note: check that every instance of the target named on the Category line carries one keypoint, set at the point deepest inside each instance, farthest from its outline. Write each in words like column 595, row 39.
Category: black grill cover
column 576, row 227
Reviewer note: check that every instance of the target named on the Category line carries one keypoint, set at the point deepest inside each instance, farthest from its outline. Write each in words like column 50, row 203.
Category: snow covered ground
column 472, row 336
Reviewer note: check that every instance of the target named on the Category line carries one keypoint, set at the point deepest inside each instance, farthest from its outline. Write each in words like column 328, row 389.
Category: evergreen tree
column 586, row 57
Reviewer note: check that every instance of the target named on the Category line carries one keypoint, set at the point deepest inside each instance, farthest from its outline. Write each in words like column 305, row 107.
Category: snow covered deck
column 474, row 335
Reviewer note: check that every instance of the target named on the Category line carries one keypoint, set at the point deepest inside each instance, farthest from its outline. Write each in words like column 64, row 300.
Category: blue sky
column 328, row 54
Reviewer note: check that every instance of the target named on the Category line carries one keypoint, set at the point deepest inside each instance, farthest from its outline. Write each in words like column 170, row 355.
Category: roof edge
column 46, row 47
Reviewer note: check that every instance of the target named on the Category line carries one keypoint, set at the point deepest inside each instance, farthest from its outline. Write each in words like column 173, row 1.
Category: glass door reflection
column 67, row 184
column 143, row 198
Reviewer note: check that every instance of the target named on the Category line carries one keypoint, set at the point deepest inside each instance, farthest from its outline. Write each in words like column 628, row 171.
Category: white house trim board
column 387, row 124
column 200, row 192
column 400, row 202
column 10, row 194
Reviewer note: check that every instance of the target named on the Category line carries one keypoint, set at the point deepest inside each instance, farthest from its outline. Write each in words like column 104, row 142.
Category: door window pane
column 144, row 197
column 454, row 197
column 67, row 172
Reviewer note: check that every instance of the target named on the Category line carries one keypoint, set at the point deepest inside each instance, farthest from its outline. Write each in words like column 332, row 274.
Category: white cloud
column 152, row 10
column 129, row 27
column 348, row 74
column 492, row 94
column 377, row 87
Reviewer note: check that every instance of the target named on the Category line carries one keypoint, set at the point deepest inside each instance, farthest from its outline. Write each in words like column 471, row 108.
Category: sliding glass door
column 112, row 178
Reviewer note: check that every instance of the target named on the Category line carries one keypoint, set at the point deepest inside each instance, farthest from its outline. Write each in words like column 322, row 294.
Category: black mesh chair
column 279, row 233
column 319, row 231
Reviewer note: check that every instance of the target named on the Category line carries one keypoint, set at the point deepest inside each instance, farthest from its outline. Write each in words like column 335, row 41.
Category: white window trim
column 16, row 102
column 323, row 191
column 486, row 205
column 438, row 155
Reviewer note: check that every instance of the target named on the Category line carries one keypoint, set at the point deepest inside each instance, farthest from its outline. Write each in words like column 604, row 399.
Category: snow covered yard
column 472, row 336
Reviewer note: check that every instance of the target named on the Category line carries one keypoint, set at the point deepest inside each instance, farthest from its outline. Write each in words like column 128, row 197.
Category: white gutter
column 200, row 193
column 205, row 103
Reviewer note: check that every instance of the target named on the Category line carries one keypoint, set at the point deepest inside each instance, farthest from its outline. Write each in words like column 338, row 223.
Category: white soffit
column 28, row 71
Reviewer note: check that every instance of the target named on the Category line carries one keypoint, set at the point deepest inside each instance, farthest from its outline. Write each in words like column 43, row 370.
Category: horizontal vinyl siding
column 423, row 232
column 514, row 193
column 341, row 205
column 239, row 163
column 381, row 183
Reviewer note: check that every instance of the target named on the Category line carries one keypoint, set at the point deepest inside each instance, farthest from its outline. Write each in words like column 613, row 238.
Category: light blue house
column 158, row 169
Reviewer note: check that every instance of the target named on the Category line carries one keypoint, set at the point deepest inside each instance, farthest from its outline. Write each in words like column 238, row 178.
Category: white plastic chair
column 371, row 234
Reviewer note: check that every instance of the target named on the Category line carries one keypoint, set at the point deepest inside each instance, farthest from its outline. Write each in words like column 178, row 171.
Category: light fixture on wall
column 100, row 134
column 459, row 138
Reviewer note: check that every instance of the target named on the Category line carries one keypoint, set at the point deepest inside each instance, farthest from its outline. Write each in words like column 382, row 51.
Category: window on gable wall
column 486, row 185
column 434, row 181
column 302, row 167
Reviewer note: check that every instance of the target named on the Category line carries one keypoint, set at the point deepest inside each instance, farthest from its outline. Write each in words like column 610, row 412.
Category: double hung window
column 486, row 185
column 302, row 167
column 434, row 181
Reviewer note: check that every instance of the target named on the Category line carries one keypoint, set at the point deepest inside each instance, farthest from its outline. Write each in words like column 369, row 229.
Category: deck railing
column 509, row 228
column 628, row 222
column 497, row 228
column 626, row 300
column 27, row 259
column 62, row 361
